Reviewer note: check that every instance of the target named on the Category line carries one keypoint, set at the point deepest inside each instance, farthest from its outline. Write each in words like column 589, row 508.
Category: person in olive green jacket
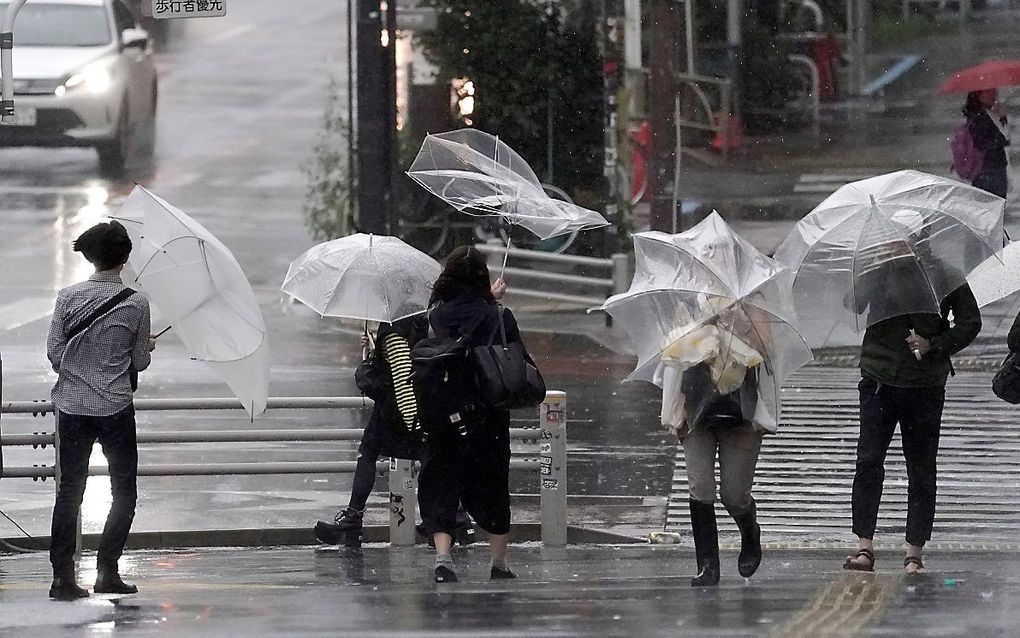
column 904, row 367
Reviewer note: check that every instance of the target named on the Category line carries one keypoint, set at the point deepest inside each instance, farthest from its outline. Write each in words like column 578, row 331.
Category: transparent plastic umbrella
column 368, row 277
column 886, row 246
column 197, row 285
column 707, row 296
column 478, row 174
column 997, row 277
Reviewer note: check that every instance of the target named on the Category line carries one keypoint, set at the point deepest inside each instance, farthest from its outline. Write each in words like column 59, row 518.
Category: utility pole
column 375, row 119
column 667, row 48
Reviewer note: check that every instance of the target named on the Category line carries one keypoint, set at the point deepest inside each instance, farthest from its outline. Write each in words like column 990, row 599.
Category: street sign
column 165, row 9
column 417, row 19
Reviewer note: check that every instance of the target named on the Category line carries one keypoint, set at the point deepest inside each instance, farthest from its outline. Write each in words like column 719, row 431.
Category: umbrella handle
column 161, row 332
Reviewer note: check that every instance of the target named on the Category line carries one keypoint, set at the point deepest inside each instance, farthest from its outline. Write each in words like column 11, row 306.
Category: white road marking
column 25, row 311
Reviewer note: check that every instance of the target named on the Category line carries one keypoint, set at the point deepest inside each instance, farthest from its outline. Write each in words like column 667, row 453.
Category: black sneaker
column 66, row 590
column 501, row 573
column 444, row 574
column 346, row 521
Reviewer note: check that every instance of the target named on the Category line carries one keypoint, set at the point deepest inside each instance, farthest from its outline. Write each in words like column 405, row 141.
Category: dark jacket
column 988, row 138
column 387, row 432
column 886, row 358
column 1013, row 339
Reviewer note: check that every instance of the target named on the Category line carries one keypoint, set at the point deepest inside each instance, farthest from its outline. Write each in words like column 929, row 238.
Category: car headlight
column 93, row 80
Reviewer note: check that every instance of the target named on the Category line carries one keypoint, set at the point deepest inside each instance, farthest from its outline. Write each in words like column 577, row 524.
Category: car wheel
column 114, row 153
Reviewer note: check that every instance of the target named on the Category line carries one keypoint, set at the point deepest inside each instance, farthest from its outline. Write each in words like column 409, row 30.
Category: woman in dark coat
column 989, row 128
column 467, row 449
column 393, row 430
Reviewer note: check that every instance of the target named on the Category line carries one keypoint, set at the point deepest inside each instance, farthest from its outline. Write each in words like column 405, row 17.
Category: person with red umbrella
column 989, row 130
column 987, row 125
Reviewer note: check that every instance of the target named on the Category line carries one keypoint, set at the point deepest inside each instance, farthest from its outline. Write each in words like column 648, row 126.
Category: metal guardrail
column 618, row 280
column 549, row 459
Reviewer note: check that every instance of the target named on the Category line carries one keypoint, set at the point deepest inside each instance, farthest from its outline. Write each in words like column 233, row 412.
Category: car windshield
column 60, row 25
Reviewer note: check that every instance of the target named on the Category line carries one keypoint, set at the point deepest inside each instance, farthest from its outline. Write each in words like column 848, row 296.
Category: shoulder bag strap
column 109, row 305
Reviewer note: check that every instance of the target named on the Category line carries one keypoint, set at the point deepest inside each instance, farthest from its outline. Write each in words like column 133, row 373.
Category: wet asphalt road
column 590, row 591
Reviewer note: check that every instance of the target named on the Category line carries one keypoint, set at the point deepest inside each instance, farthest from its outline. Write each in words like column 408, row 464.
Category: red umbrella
column 987, row 75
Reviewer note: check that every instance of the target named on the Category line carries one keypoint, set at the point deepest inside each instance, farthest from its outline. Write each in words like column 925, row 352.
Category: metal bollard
column 621, row 278
column 403, row 502
column 553, row 468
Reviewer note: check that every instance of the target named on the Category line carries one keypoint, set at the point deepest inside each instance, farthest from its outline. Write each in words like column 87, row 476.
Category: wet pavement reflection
column 577, row 591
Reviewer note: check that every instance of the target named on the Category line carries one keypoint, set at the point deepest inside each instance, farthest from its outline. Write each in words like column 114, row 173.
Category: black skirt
column 386, row 434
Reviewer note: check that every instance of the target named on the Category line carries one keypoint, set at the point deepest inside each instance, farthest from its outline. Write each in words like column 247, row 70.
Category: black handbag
column 1006, row 382
column 506, row 375
column 371, row 377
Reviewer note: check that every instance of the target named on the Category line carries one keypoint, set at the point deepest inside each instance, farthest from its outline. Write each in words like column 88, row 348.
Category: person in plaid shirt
column 93, row 400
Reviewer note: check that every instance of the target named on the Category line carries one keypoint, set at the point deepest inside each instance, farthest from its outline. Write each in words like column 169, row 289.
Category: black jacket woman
column 986, row 117
column 393, row 429
column 467, row 452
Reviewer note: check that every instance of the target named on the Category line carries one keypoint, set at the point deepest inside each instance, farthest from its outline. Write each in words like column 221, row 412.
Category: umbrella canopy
column 997, row 277
column 708, row 296
column 889, row 245
column 987, row 75
column 198, row 286
column 369, row 277
column 478, row 174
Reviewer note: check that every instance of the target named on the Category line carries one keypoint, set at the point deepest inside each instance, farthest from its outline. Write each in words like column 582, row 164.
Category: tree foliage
column 329, row 191
column 524, row 58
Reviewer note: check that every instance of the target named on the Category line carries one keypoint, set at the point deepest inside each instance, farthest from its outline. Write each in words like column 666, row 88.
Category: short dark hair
column 105, row 245
column 465, row 273
column 973, row 104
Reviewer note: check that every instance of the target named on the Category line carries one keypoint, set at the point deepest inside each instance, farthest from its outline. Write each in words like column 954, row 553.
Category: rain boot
column 750, row 541
column 706, row 543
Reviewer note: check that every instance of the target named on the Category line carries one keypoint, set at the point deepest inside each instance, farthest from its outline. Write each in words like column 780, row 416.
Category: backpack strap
column 107, row 306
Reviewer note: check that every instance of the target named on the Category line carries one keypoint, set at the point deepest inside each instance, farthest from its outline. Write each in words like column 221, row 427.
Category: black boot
column 750, row 541
column 345, row 528
column 64, row 586
column 108, row 581
column 706, row 543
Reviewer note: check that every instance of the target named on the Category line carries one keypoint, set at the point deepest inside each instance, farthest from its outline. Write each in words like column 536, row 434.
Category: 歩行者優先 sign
column 184, row 8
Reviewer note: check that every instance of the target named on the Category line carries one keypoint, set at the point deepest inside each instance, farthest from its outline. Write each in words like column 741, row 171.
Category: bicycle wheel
column 427, row 227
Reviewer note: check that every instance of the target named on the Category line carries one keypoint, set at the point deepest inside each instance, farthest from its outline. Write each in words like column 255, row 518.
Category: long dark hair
column 973, row 105
column 465, row 273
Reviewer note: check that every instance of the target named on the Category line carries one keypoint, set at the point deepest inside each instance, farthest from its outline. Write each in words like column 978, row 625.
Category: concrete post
column 621, row 278
column 553, row 468
column 403, row 502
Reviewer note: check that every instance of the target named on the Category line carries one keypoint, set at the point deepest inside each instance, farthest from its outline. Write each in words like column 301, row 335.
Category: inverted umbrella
column 707, row 296
column 890, row 245
column 478, row 174
column 195, row 282
column 369, row 277
column 987, row 75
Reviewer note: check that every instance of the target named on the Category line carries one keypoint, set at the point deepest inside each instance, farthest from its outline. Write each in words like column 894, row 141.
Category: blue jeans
column 78, row 433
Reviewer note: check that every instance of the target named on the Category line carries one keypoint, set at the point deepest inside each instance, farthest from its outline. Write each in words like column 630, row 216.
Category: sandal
column 849, row 564
column 914, row 560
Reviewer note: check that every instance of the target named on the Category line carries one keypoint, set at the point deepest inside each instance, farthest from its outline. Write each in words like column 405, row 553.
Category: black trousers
column 472, row 469
column 116, row 433
column 919, row 413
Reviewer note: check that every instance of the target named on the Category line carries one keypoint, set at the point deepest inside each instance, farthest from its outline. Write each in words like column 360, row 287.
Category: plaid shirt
column 93, row 367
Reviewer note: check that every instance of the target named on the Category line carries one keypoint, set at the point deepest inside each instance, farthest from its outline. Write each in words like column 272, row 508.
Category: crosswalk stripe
column 805, row 472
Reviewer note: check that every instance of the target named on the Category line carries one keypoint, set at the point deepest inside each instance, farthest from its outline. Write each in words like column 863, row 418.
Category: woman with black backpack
column 467, row 447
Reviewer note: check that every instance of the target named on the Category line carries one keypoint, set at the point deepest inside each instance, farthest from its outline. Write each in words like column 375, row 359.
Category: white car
column 83, row 76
